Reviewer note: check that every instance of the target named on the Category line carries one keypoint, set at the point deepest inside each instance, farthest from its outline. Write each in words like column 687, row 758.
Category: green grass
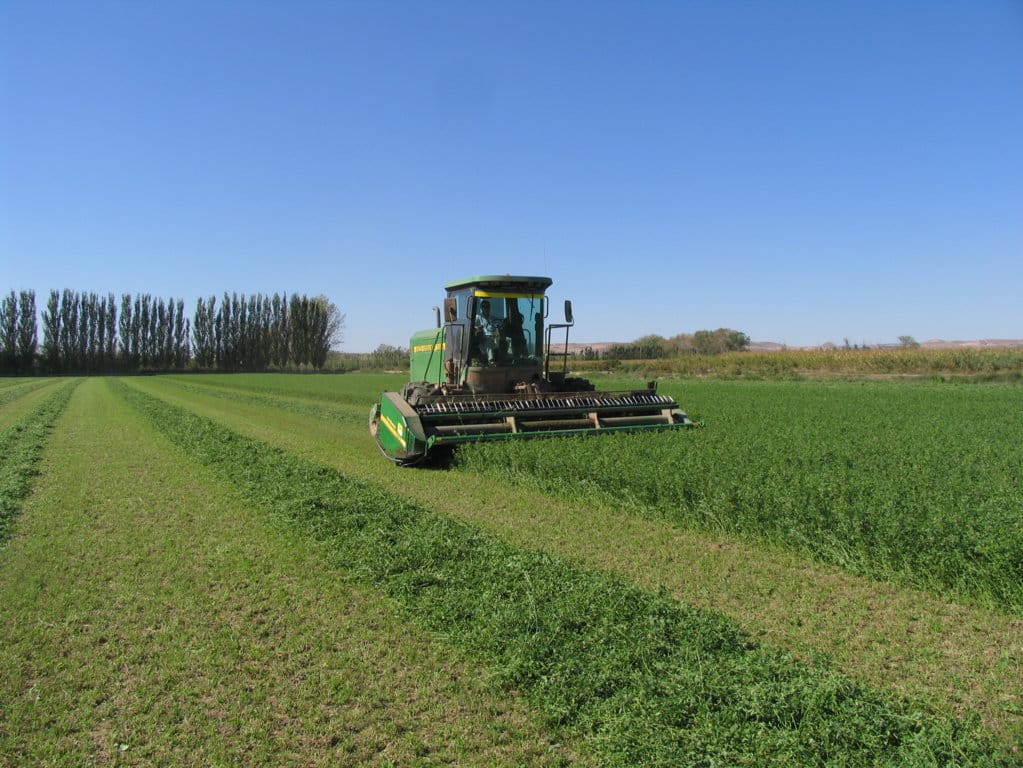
column 341, row 389
column 959, row 658
column 12, row 381
column 20, row 447
column 26, row 400
column 149, row 615
column 16, row 388
column 914, row 482
column 647, row 680
column 1004, row 363
column 285, row 400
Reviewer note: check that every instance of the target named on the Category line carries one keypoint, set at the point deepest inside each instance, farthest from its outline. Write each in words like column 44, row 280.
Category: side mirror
column 568, row 312
column 450, row 310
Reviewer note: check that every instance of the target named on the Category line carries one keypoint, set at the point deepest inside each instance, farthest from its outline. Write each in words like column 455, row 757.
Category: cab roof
column 515, row 283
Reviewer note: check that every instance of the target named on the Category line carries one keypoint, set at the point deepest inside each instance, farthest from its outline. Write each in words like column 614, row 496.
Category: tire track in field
column 962, row 659
column 650, row 681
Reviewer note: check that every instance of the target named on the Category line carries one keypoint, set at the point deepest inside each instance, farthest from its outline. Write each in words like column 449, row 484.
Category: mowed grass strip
column 302, row 405
column 648, row 680
column 959, row 658
column 356, row 390
column 26, row 401
column 15, row 396
column 149, row 616
column 7, row 382
column 12, row 389
column 915, row 482
column 21, row 445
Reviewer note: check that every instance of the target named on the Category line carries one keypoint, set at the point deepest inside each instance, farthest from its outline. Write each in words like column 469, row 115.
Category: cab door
column 456, row 335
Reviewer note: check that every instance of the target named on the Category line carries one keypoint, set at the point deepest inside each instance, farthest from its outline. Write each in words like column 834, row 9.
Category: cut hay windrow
column 318, row 410
column 357, row 391
column 918, row 483
column 21, row 445
column 645, row 679
column 18, row 389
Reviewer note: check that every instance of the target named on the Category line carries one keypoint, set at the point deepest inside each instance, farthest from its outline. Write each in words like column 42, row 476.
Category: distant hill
column 978, row 344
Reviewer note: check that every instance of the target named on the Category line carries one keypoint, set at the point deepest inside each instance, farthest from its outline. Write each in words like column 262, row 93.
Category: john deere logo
column 435, row 347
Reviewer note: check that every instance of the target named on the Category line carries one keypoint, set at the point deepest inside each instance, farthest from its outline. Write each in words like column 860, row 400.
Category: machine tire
column 577, row 384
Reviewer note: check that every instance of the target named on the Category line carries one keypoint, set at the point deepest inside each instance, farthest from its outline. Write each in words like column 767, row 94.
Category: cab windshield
column 507, row 329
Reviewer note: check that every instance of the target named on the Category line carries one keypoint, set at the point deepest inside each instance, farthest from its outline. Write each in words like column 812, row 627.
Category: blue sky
column 801, row 171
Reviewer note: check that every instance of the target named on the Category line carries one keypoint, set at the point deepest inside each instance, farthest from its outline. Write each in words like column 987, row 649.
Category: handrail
column 548, row 353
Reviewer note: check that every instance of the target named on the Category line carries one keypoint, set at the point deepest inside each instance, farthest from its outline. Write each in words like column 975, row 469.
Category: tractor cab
column 484, row 373
column 490, row 338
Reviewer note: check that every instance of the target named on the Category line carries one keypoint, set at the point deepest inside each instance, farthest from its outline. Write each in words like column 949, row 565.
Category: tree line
column 90, row 333
column 18, row 331
column 262, row 332
column 652, row 347
column 385, row 357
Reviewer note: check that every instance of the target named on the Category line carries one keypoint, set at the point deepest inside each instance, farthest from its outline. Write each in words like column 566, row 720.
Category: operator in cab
column 488, row 329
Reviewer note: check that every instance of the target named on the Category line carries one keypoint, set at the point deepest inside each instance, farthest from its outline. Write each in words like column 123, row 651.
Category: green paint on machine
column 491, row 370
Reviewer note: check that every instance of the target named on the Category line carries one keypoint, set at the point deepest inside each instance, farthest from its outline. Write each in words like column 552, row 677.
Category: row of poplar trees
column 89, row 333
column 263, row 332
column 18, row 332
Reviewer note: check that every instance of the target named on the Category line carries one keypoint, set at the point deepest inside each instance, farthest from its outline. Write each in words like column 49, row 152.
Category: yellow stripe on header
column 393, row 430
column 490, row 295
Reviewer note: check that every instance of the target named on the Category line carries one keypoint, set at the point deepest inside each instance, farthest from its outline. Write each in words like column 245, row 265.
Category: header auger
column 484, row 373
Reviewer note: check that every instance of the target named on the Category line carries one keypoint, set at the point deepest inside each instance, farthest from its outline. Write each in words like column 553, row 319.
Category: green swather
column 484, row 372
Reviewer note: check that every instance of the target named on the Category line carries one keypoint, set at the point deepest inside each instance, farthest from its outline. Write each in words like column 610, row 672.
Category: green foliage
column 384, row 358
column 655, row 347
column 913, row 482
column 314, row 324
column 356, row 391
column 83, row 333
column 18, row 332
column 28, row 333
column 645, row 348
column 799, row 364
column 229, row 391
column 258, row 333
column 9, row 333
column 720, row 341
column 51, row 333
column 12, row 389
column 647, row 680
column 20, row 448
column 154, row 618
